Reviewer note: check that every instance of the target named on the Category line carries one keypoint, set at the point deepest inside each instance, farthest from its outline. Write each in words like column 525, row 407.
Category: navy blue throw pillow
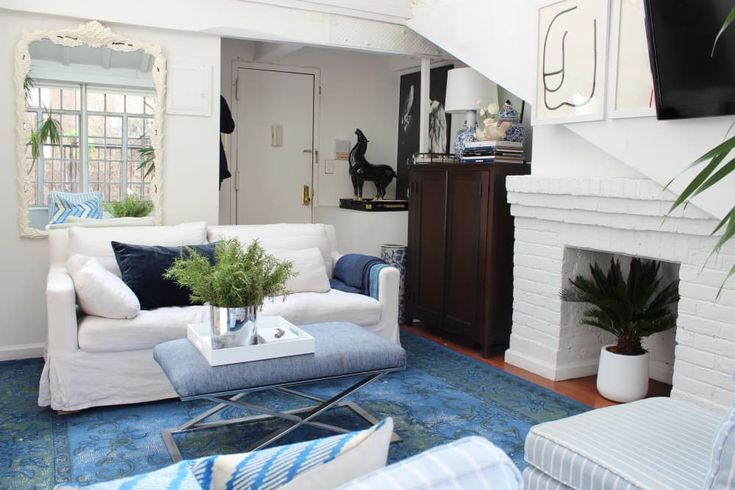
column 142, row 269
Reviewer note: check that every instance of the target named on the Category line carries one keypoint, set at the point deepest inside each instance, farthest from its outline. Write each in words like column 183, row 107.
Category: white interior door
column 274, row 169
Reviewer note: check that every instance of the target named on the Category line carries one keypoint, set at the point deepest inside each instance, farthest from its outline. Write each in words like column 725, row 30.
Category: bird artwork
column 362, row 170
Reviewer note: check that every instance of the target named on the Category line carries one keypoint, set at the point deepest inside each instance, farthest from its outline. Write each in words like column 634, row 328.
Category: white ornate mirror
column 87, row 84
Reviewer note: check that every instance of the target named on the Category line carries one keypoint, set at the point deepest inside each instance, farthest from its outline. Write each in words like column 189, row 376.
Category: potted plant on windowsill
column 630, row 308
column 235, row 285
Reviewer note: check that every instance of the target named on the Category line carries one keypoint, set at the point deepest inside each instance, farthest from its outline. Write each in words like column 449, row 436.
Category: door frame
column 316, row 103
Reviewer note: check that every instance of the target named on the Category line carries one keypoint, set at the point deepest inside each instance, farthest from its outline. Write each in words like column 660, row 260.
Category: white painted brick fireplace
column 573, row 217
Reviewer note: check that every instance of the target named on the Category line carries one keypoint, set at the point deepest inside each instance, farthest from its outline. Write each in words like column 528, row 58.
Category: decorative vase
column 466, row 134
column 395, row 255
column 232, row 327
column 622, row 378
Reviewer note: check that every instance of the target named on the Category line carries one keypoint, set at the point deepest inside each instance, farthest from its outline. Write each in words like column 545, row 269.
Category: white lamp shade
column 465, row 88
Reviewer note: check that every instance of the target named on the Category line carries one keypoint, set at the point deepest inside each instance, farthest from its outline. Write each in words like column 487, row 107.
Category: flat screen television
column 690, row 81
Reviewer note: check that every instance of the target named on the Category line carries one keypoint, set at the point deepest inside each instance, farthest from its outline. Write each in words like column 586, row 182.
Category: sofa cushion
column 310, row 275
column 149, row 328
column 334, row 306
column 280, row 237
column 99, row 291
column 62, row 205
column 322, row 463
column 652, row 443
column 95, row 242
column 142, row 268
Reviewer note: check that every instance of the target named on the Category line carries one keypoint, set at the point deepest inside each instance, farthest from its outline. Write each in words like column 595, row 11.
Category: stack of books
column 493, row 152
column 421, row 158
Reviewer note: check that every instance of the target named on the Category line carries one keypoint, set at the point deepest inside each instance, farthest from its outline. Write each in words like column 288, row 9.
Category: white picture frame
column 570, row 69
column 189, row 90
column 631, row 92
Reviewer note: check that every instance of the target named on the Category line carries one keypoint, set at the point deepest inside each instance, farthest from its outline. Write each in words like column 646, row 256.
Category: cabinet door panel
column 426, row 244
column 466, row 246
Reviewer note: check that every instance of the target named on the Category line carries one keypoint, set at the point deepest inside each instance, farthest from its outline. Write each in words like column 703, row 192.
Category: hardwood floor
column 581, row 389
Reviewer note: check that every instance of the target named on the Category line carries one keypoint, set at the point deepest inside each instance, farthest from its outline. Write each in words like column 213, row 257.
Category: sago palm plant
column 630, row 308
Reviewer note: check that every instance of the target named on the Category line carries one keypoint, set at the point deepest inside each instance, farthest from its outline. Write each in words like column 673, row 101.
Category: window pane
column 95, row 101
column 51, row 97
column 33, row 97
column 70, row 99
column 134, row 104
column 150, row 105
column 115, row 103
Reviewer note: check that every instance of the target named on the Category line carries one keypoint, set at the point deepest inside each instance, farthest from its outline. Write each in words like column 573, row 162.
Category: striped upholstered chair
column 658, row 443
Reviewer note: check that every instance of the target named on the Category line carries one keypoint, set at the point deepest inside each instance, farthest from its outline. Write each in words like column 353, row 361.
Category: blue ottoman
column 341, row 350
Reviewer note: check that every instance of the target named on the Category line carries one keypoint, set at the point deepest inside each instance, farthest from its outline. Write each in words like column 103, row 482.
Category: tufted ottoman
column 341, row 350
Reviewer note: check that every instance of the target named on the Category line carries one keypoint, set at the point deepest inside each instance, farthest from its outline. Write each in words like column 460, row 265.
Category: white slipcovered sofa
column 94, row 361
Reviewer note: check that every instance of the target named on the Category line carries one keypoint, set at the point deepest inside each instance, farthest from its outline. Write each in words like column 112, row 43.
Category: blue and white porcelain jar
column 466, row 134
column 516, row 132
column 395, row 255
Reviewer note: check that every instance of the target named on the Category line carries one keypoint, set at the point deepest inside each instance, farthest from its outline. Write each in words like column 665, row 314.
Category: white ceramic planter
column 622, row 378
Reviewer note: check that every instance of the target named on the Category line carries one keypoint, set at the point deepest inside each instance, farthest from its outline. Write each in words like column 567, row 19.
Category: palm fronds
column 630, row 308
column 713, row 172
column 147, row 160
column 49, row 132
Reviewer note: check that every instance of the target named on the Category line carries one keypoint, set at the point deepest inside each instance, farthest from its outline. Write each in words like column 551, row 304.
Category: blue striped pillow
column 721, row 474
column 62, row 205
column 272, row 468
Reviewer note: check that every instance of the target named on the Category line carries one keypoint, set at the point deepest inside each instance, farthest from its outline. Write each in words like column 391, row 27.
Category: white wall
column 359, row 90
column 190, row 183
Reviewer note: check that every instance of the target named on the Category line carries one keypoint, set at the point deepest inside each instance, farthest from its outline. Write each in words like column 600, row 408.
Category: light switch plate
column 277, row 135
column 328, row 166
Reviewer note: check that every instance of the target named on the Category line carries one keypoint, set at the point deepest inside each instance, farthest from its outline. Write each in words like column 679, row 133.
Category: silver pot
column 232, row 327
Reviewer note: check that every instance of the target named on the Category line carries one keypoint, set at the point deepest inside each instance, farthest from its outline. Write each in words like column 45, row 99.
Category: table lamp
column 467, row 91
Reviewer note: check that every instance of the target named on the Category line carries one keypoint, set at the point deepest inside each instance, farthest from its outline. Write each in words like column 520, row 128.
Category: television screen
column 689, row 80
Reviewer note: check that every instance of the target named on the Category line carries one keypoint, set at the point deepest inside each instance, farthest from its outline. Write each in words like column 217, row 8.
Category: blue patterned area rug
column 441, row 396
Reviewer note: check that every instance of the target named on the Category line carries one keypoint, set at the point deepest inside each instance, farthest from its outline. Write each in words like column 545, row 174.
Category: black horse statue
column 362, row 170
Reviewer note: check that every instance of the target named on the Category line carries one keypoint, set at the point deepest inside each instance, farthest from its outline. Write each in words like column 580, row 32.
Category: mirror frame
column 95, row 35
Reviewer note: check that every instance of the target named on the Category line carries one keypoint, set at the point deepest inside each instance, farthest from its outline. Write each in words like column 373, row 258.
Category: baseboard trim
column 550, row 371
column 21, row 351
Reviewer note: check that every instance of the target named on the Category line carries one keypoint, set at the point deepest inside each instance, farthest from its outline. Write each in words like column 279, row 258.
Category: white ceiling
column 105, row 58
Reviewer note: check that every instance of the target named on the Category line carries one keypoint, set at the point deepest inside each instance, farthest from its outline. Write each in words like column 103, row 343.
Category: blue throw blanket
column 357, row 273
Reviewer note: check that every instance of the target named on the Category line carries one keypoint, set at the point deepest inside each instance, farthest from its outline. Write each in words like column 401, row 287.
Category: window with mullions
column 117, row 123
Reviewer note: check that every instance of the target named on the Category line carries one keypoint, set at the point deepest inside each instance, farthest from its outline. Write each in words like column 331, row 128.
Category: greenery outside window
column 116, row 123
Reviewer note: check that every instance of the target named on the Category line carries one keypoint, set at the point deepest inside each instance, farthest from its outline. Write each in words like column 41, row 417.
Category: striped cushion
column 272, row 468
column 471, row 462
column 721, row 474
column 533, row 478
column 62, row 205
column 654, row 443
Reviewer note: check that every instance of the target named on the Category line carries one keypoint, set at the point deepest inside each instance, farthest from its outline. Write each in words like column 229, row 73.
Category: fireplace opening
column 583, row 343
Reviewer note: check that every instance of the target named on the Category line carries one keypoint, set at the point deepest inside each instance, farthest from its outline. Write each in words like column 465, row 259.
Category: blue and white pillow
column 62, row 205
column 178, row 476
column 330, row 461
column 721, row 474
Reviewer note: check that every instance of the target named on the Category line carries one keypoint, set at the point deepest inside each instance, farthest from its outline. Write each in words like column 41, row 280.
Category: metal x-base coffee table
column 342, row 350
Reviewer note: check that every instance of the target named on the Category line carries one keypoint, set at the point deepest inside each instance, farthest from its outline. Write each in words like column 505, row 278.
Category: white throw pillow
column 99, row 291
column 308, row 267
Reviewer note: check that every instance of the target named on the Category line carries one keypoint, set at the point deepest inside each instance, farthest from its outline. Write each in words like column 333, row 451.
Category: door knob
column 306, row 196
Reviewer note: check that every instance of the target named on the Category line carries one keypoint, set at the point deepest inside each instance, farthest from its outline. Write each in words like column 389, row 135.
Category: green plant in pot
column 235, row 285
column 631, row 308
column 130, row 207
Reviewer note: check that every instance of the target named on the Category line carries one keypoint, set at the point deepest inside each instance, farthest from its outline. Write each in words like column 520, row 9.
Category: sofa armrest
column 61, row 307
column 471, row 462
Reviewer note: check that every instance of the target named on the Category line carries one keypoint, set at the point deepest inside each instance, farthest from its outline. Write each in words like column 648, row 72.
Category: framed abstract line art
column 571, row 58
column 630, row 83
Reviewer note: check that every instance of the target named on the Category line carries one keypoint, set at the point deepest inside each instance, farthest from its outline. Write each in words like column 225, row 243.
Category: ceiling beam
column 145, row 62
column 106, row 58
column 66, row 55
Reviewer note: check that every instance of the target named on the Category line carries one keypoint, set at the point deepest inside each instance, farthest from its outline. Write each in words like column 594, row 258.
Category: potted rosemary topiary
column 235, row 285
column 630, row 308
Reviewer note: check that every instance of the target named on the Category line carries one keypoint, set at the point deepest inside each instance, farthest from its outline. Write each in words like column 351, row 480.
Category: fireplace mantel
column 628, row 217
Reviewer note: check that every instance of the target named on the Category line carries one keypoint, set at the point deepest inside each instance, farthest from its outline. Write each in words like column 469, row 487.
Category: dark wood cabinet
column 460, row 251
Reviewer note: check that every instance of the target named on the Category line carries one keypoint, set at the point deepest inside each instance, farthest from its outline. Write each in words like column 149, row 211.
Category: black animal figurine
column 362, row 170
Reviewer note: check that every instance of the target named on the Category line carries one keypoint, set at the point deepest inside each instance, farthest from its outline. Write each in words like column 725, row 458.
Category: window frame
column 83, row 114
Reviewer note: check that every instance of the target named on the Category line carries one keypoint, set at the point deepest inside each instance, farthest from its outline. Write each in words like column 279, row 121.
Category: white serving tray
column 295, row 342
